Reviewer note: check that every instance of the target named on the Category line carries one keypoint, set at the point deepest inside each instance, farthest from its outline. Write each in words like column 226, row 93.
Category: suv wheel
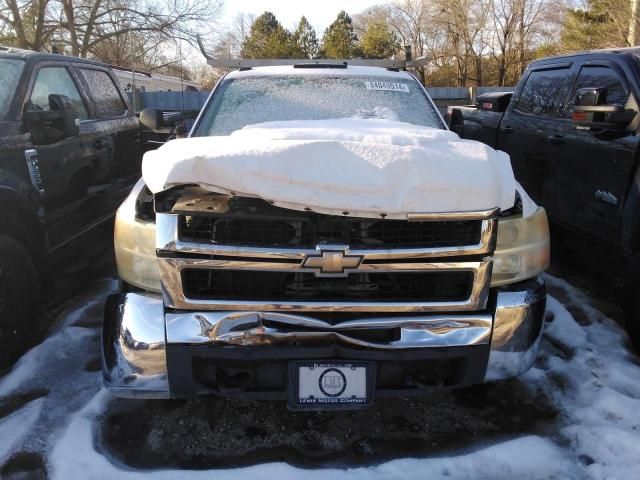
column 18, row 298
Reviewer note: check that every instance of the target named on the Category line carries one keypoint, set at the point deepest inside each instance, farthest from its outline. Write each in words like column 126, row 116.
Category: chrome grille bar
column 176, row 255
column 167, row 239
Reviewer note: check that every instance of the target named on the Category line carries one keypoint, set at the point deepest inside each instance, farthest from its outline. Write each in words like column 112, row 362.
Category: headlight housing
column 135, row 245
column 522, row 250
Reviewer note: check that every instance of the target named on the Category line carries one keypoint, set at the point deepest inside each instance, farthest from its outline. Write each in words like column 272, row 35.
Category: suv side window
column 104, row 92
column 541, row 91
column 56, row 80
column 592, row 76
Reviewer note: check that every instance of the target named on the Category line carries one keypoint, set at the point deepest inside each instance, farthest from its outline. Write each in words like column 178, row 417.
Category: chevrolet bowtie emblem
column 332, row 260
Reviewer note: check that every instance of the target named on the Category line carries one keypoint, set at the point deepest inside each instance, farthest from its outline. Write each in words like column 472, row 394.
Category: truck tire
column 632, row 301
column 18, row 298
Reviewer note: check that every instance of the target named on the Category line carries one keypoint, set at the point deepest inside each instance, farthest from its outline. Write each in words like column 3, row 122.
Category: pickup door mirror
column 456, row 122
column 50, row 126
column 152, row 118
column 592, row 112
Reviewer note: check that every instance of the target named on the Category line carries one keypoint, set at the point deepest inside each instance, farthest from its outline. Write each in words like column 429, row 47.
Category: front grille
column 250, row 285
column 313, row 229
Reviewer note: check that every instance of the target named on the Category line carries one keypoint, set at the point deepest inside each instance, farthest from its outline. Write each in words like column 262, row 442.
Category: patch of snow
column 366, row 166
column 601, row 392
column 15, row 427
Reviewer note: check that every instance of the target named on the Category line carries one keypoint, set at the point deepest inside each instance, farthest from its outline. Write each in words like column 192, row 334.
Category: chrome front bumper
column 138, row 332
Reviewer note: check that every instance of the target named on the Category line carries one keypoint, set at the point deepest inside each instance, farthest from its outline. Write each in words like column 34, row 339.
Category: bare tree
column 505, row 20
column 86, row 27
column 409, row 19
column 31, row 22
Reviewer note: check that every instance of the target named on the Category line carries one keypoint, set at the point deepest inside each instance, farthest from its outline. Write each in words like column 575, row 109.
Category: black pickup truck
column 572, row 131
column 69, row 153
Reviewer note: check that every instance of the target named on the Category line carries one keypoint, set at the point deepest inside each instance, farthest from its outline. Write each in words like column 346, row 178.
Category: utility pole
column 633, row 22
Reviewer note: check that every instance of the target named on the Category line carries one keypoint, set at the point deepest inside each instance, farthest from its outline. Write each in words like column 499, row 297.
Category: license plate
column 330, row 385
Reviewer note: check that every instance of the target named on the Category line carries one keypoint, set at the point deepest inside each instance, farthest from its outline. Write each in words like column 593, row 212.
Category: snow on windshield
column 10, row 71
column 247, row 101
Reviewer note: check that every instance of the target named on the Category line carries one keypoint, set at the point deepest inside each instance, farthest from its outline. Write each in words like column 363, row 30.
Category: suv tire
column 18, row 298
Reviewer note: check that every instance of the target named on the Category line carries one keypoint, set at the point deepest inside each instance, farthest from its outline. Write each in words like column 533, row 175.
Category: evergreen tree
column 267, row 39
column 339, row 40
column 378, row 41
column 305, row 39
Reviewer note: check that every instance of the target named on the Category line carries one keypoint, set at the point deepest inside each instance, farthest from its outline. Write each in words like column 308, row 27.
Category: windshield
column 10, row 71
column 247, row 101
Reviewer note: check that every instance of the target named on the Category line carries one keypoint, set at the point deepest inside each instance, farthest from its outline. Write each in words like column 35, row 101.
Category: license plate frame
column 334, row 399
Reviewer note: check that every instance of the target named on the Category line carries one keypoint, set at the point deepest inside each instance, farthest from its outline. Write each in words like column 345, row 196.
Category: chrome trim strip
column 263, row 328
column 453, row 216
column 170, row 271
column 167, row 240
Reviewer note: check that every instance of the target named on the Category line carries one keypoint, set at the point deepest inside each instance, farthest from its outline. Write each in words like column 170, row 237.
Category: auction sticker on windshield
column 387, row 86
column 330, row 385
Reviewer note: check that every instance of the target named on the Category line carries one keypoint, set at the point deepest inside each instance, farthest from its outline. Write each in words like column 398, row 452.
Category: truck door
column 58, row 164
column 529, row 123
column 597, row 165
column 118, row 126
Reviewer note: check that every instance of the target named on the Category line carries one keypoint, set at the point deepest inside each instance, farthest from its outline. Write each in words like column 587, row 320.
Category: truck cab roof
column 629, row 53
column 30, row 56
column 324, row 69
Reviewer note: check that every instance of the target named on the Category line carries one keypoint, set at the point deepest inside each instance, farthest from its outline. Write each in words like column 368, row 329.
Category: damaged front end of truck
column 326, row 264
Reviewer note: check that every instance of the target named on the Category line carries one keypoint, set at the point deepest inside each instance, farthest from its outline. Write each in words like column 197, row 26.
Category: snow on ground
column 52, row 404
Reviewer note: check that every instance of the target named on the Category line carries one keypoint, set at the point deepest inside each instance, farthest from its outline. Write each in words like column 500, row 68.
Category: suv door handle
column 100, row 143
column 556, row 139
column 507, row 130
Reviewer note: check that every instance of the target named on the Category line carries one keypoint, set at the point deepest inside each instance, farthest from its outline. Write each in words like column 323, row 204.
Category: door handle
column 556, row 139
column 507, row 130
column 100, row 144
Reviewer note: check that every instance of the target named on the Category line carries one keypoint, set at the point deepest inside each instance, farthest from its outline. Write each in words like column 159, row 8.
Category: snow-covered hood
column 367, row 167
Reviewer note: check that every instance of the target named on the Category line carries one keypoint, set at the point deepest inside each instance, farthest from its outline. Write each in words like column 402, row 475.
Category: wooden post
column 473, row 95
column 633, row 23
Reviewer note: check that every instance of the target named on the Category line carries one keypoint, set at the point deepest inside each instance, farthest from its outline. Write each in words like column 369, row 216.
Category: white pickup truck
column 322, row 238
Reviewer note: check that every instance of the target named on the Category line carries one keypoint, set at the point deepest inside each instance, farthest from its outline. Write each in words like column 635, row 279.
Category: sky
column 320, row 13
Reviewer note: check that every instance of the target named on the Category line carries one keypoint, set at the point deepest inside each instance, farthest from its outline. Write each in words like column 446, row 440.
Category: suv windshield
column 250, row 100
column 10, row 71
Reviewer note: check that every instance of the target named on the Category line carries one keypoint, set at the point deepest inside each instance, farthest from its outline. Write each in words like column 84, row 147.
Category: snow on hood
column 365, row 166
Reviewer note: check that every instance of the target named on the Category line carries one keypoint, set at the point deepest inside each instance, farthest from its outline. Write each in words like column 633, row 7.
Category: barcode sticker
column 387, row 86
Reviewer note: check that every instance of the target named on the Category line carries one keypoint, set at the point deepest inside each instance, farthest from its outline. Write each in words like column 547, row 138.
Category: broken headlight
column 522, row 250
column 135, row 243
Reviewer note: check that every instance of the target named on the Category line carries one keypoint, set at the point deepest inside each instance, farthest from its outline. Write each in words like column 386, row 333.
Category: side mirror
column 456, row 122
column 590, row 97
column 152, row 118
column 50, row 126
column 591, row 111
column 602, row 117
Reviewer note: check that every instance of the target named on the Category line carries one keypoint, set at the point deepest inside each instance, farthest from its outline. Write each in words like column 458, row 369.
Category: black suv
column 69, row 152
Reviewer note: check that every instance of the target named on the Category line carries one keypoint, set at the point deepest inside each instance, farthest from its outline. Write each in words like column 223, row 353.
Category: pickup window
column 104, row 92
column 540, row 91
column 602, row 77
column 55, row 80
column 10, row 71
